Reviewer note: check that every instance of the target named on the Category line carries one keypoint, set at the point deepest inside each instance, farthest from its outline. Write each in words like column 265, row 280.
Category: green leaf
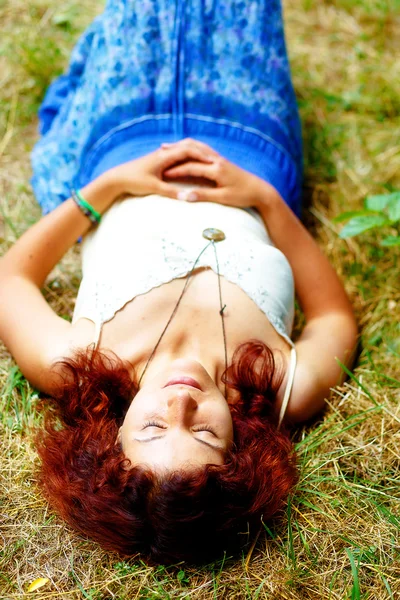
column 61, row 19
column 394, row 208
column 377, row 203
column 359, row 224
column 350, row 214
column 391, row 240
column 182, row 578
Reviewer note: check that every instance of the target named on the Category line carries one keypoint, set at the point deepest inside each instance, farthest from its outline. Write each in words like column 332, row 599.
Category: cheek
column 224, row 420
column 133, row 418
column 141, row 405
column 132, row 423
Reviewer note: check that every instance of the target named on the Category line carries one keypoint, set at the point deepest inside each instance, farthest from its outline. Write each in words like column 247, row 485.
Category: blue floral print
column 160, row 70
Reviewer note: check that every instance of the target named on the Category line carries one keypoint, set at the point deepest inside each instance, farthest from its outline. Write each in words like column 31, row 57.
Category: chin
column 187, row 365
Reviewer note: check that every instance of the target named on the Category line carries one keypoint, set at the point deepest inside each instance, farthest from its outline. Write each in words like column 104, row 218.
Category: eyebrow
column 159, row 437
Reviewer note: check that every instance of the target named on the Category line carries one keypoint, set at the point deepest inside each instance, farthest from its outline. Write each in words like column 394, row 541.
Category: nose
column 181, row 404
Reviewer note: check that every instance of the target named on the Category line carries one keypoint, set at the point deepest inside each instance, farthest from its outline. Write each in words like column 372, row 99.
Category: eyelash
column 153, row 424
column 205, row 428
column 157, row 424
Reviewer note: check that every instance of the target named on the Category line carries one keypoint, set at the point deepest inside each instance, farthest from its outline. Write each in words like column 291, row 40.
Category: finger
column 207, row 148
column 204, row 194
column 192, row 169
column 182, row 154
column 168, row 190
column 190, row 142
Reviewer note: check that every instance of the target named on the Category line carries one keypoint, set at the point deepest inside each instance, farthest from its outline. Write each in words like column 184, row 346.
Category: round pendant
column 214, row 235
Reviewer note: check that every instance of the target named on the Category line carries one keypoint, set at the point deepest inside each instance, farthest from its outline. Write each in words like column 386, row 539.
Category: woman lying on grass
column 173, row 385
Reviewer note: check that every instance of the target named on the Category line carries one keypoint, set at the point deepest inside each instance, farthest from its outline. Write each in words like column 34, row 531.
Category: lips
column 184, row 381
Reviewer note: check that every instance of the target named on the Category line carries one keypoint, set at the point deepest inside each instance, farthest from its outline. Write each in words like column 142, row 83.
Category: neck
column 191, row 346
column 198, row 344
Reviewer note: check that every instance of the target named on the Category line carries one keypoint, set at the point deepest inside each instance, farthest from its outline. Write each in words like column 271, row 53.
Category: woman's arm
column 330, row 333
column 32, row 332
column 42, row 246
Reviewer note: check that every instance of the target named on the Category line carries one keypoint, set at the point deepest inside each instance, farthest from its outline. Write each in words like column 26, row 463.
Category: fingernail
column 165, row 145
column 183, row 195
column 192, row 197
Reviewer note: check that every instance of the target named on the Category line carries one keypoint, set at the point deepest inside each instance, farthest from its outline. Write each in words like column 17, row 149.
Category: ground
column 338, row 538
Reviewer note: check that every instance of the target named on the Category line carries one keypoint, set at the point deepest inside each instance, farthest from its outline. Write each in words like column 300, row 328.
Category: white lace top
column 143, row 243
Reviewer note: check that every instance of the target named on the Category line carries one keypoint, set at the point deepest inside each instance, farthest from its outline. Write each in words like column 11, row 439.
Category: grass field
column 338, row 538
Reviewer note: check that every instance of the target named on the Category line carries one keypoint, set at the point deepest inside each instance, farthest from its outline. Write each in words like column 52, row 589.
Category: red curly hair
column 192, row 516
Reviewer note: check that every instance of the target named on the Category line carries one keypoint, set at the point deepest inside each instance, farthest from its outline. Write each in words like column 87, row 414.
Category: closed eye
column 159, row 425
column 153, row 424
column 205, row 428
column 157, row 438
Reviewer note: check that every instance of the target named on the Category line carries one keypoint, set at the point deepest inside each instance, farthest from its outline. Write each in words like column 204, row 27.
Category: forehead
column 173, row 450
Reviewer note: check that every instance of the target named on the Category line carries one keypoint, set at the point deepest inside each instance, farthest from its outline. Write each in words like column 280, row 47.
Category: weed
column 339, row 537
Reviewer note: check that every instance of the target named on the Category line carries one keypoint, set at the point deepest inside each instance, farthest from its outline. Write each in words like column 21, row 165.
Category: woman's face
column 178, row 419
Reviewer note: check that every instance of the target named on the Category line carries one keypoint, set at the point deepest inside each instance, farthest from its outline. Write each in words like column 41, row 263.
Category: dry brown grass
column 346, row 507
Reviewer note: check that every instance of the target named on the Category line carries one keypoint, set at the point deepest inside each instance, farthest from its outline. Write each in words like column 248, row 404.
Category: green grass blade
column 291, row 550
column 387, row 586
column 355, row 591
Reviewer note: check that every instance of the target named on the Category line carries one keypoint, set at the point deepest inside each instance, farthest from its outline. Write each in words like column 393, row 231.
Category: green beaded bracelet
column 87, row 209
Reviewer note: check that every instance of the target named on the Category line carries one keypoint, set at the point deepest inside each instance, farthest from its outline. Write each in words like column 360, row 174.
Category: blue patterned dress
column 160, row 70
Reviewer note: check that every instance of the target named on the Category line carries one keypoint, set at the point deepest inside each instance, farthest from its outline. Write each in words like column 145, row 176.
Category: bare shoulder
column 325, row 345
column 41, row 345
column 44, row 368
column 63, row 346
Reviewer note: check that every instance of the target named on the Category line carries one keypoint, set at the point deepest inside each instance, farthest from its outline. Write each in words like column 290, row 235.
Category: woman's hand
column 144, row 176
column 232, row 185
